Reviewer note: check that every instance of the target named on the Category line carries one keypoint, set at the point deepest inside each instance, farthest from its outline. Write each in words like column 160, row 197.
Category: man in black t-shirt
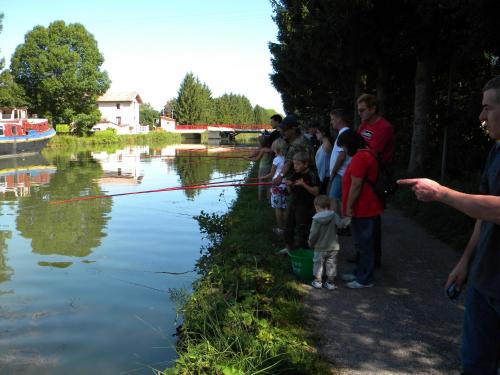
column 480, row 263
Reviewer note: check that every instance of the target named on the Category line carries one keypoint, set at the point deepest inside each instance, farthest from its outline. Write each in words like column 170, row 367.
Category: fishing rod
column 189, row 187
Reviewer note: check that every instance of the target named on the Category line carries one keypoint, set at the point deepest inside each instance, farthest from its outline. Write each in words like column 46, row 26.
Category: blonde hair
column 279, row 146
column 322, row 201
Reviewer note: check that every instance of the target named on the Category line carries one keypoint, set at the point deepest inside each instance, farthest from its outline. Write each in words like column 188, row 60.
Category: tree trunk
column 421, row 116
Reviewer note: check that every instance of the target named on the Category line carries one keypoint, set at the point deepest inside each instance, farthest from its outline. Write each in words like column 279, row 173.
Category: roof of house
column 120, row 96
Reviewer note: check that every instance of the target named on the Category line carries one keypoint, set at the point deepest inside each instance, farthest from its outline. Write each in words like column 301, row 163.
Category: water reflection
column 74, row 277
column 70, row 230
column 194, row 167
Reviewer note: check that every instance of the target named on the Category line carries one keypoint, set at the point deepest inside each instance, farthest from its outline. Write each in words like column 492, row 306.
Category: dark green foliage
column 245, row 315
column 328, row 52
column 194, row 103
column 11, row 94
column 233, row 109
column 148, row 115
column 83, row 122
column 59, row 69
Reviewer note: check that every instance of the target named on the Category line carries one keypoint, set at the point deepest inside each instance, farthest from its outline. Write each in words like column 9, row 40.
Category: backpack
column 385, row 185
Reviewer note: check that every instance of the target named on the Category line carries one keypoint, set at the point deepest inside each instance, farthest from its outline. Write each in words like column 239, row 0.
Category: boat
column 20, row 134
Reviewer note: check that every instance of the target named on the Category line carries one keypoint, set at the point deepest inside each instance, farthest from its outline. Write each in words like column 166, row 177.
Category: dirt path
column 403, row 325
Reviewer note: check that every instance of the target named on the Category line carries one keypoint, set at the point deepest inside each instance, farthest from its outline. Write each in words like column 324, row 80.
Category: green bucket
column 302, row 263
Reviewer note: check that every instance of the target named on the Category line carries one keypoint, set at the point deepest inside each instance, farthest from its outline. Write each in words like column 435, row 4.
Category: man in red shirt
column 379, row 136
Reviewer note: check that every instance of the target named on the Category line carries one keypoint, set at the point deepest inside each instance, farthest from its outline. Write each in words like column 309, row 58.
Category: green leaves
column 59, row 68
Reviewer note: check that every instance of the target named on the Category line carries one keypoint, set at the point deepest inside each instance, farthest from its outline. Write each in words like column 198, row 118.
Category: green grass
column 109, row 138
column 246, row 314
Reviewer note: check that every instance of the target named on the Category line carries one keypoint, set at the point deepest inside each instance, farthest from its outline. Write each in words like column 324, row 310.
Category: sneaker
column 348, row 277
column 316, row 284
column 355, row 285
column 329, row 286
column 283, row 251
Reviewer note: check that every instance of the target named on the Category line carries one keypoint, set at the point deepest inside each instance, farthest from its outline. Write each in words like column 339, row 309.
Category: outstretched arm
column 481, row 207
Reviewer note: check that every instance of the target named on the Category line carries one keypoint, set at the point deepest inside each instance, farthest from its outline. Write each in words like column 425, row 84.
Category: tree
column 11, row 94
column 233, row 109
column 59, row 69
column 148, row 115
column 169, row 108
column 194, row 103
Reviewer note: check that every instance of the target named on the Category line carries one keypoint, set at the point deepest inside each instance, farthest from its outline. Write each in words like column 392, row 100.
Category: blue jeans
column 363, row 230
column 481, row 334
column 336, row 187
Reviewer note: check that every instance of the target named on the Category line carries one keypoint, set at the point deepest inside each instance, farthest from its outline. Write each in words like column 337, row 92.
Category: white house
column 120, row 111
column 167, row 123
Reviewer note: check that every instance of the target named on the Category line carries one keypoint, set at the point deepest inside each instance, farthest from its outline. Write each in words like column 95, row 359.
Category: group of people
column 322, row 181
column 316, row 192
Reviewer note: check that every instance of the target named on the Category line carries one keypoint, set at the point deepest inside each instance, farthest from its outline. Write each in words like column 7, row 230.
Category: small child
column 323, row 239
column 303, row 186
column 278, row 193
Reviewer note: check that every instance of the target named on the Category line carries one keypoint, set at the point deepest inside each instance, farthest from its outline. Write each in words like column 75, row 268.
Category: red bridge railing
column 232, row 126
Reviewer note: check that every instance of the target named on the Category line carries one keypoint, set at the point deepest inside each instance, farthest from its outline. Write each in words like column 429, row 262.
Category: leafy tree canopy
column 148, row 115
column 59, row 69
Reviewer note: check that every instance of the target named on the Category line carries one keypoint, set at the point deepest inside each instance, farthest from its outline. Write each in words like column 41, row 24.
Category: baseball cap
column 289, row 122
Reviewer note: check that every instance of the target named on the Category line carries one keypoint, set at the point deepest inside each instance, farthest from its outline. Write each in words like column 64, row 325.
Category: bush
column 63, row 128
column 105, row 136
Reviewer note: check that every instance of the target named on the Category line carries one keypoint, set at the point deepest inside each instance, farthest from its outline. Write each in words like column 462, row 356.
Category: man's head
column 367, row 107
column 300, row 162
column 490, row 113
column 289, row 128
column 276, row 120
column 321, row 203
column 338, row 118
column 312, row 128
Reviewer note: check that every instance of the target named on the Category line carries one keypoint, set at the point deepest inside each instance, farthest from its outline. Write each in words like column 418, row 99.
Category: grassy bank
column 110, row 138
column 246, row 314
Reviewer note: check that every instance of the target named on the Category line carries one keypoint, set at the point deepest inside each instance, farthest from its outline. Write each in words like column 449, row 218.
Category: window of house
column 119, row 120
column 117, row 105
column 1, row 130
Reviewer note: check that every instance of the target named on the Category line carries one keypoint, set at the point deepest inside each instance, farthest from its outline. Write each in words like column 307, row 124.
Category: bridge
column 215, row 131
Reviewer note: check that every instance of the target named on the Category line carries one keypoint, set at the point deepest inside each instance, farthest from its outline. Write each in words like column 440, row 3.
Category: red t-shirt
column 363, row 165
column 380, row 137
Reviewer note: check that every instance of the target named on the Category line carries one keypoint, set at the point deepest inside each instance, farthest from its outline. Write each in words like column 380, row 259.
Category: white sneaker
column 348, row 277
column 329, row 286
column 316, row 284
column 355, row 285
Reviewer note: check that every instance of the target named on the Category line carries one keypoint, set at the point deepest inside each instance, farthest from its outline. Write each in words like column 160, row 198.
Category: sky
column 150, row 45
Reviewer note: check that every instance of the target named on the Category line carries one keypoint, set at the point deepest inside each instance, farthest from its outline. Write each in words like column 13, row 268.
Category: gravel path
column 404, row 324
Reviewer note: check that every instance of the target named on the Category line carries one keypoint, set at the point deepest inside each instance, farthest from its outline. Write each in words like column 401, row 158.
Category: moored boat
column 20, row 134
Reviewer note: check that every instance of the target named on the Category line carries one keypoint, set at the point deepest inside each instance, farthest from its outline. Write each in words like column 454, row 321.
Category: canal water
column 84, row 286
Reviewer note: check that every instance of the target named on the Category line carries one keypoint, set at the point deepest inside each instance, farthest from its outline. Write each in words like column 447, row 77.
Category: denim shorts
column 336, row 187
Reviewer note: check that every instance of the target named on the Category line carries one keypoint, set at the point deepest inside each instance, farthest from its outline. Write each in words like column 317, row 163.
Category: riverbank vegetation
column 246, row 314
column 108, row 137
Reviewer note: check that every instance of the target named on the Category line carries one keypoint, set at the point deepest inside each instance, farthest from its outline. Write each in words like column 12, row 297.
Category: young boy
column 303, row 186
column 323, row 239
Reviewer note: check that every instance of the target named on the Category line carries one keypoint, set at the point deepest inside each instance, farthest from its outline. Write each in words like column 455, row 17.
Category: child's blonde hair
column 279, row 146
column 322, row 201
column 302, row 156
